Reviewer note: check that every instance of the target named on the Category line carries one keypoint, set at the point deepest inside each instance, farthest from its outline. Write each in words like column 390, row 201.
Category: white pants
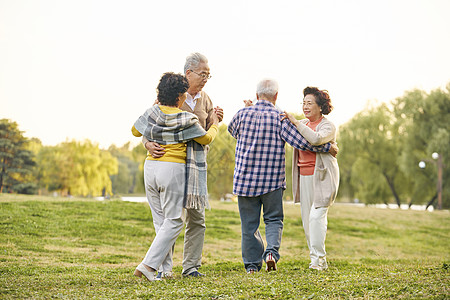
column 314, row 222
column 164, row 186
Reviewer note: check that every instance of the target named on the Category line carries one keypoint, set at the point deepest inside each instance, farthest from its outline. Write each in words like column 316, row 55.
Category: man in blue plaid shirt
column 259, row 173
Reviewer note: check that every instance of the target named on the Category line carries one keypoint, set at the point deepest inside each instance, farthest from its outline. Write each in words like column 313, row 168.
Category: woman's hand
column 290, row 117
column 155, row 149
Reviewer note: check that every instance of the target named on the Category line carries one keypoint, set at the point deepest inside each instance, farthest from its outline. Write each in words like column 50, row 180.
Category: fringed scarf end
column 196, row 202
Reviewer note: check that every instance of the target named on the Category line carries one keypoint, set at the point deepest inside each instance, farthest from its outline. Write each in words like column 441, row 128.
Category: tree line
column 380, row 149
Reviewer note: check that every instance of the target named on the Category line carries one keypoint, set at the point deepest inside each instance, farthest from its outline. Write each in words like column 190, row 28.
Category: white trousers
column 314, row 222
column 164, row 187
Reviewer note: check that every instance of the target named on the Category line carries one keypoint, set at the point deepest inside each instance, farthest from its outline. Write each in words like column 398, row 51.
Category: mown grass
column 80, row 249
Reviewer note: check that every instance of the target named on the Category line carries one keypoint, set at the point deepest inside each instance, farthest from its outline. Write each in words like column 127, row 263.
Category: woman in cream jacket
column 315, row 176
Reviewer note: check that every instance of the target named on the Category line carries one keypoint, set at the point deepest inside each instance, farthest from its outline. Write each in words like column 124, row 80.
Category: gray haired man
column 196, row 70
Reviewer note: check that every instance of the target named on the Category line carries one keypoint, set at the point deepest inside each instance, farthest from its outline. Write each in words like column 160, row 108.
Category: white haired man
column 259, row 174
column 197, row 72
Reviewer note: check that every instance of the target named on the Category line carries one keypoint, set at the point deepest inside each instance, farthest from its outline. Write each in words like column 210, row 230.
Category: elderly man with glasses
column 197, row 72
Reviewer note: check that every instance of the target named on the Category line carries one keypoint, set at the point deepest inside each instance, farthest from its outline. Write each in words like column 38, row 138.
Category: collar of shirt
column 268, row 103
column 264, row 102
column 192, row 101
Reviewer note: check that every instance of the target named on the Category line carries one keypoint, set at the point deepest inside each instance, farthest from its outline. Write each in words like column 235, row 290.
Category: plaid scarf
column 181, row 127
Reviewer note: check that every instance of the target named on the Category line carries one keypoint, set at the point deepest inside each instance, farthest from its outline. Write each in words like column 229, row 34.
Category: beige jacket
column 326, row 171
column 204, row 110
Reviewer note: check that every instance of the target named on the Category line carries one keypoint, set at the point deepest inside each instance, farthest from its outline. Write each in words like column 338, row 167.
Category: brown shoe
column 271, row 264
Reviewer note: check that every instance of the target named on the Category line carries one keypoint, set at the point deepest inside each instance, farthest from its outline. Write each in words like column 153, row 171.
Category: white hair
column 267, row 88
column 193, row 60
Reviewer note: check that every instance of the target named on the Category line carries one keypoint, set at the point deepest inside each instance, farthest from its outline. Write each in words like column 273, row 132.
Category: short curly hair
column 322, row 98
column 170, row 87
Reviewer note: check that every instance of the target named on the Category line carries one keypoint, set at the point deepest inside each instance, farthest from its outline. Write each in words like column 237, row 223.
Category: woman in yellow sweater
column 176, row 179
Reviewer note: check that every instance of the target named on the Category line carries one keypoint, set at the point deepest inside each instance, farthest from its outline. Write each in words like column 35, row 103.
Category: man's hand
column 248, row 103
column 334, row 149
column 155, row 149
column 219, row 112
column 215, row 118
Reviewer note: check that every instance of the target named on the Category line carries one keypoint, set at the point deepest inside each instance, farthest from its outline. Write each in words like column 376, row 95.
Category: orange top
column 307, row 159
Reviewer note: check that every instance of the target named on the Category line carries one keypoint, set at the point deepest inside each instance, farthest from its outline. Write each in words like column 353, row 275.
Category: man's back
column 260, row 164
column 260, row 153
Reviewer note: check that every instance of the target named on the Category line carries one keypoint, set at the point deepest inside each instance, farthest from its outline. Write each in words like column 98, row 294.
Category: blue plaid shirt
column 260, row 154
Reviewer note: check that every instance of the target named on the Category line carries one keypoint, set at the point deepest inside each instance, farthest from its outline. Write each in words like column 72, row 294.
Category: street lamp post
column 438, row 161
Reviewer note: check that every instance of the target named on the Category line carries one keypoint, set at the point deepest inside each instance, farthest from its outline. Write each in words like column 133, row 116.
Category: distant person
column 166, row 185
column 315, row 176
column 259, row 174
column 197, row 72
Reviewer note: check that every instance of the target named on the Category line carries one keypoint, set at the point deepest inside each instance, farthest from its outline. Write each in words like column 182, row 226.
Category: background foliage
column 380, row 149
column 16, row 161
column 382, row 146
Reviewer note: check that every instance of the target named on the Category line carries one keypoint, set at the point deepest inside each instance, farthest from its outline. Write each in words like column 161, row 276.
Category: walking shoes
column 142, row 270
column 165, row 275
column 271, row 264
column 194, row 274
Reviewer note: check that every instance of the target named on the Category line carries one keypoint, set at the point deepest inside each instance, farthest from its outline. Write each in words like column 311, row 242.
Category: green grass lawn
column 81, row 249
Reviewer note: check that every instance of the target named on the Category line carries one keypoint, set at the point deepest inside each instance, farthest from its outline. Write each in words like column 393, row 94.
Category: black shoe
column 194, row 274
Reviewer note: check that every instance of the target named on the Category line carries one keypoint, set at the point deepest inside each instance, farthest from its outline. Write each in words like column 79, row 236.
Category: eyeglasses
column 202, row 75
column 308, row 103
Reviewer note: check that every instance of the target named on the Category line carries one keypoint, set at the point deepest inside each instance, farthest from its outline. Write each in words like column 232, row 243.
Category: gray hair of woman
column 193, row 60
column 267, row 88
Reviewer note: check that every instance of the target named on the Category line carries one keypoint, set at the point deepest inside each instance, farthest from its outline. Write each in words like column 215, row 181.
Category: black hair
column 170, row 87
column 322, row 98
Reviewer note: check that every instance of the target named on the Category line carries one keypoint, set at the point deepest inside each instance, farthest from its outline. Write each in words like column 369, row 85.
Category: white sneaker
column 142, row 270
column 322, row 267
column 323, row 264
column 162, row 275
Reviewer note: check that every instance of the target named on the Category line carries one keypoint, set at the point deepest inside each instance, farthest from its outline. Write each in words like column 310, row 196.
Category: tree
column 371, row 145
column 139, row 154
column 77, row 168
column 382, row 146
column 220, row 161
column 125, row 180
column 424, row 120
column 16, row 161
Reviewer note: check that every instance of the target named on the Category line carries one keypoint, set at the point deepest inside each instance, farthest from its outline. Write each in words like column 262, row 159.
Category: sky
column 86, row 69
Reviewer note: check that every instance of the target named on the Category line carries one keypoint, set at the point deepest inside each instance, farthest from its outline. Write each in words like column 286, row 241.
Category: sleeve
column 209, row 136
column 135, row 132
column 325, row 134
column 209, row 108
column 291, row 136
column 233, row 126
column 144, row 140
